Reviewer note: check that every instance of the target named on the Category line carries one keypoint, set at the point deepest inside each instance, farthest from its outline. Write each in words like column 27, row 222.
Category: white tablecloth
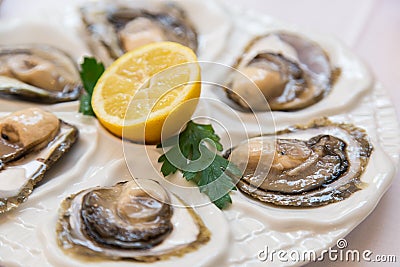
column 372, row 29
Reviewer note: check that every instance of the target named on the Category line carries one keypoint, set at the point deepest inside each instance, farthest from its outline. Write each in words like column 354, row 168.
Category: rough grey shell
column 305, row 165
column 38, row 73
column 107, row 23
column 20, row 172
column 297, row 73
column 127, row 221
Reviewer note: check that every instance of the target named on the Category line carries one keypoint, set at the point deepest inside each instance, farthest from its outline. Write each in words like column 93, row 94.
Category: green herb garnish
column 190, row 154
column 91, row 71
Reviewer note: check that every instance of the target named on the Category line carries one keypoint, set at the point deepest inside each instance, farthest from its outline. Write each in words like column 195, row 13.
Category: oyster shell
column 38, row 73
column 128, row 221
column 31, row 141
column 310, row 165
column 290, row 71
column 115, row 28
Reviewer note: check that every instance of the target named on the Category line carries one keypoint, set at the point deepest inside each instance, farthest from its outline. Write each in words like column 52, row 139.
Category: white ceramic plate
column 27, row 235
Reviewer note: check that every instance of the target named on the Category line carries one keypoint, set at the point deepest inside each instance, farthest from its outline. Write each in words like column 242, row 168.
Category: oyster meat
column 31, row 141
column 129, row 221
column 310, row 165
column 38, row 73
column 288, row 71
column 115, row 28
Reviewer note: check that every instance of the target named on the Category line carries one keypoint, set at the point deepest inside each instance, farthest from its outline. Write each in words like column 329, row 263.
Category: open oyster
column 115, row 28
column 310, row 165
column 31, row 141
column 290, row 71
column 38, row 73
column 128, row 221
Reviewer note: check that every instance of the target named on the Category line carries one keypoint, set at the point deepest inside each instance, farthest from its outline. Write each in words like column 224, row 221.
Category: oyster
column 128, row 221
column 115, row 28
column 291, row 72
column 310, row 165
column 31, row 141
column 38, row 73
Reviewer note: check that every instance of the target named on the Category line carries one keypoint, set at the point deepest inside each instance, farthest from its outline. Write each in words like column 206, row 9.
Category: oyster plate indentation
column 116, row 171
column 320, row 228
column 18, row 227
column 353, row 72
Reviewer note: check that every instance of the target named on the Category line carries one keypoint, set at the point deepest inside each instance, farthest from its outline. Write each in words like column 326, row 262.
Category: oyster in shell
column 310, row 165
column 289, row 71
column 128, row 221
column 38, row 73
column 31, row 141
column 115, row 28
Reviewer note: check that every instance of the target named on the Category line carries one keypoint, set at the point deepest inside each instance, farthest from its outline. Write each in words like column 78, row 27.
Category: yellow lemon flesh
column 144, row 87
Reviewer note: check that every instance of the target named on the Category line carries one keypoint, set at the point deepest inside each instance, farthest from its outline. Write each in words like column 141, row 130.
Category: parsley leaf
column 91, row 70
column 85, row 106
column 199, row 164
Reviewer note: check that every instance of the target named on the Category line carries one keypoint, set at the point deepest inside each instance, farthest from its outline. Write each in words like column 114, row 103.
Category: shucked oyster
column 117, row 28
column 291, row 72
column 128, row 221
column 38, row 73
column 309, row 165
column 31, row 141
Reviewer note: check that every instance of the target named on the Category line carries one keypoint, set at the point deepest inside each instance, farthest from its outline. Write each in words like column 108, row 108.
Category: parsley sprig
column 207, row 169
column 91, row 71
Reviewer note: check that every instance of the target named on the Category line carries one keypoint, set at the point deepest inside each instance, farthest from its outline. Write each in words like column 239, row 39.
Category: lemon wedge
column 140, row 90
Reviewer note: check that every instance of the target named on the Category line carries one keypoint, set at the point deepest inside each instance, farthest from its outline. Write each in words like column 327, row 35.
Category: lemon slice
column 144, row 87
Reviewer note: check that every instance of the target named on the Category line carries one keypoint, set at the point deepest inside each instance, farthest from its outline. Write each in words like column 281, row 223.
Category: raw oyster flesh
column 310, row 165
column 129, row 221
column 115, row 28
column 38, row 73
column 288, row 71
column 31, row 141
